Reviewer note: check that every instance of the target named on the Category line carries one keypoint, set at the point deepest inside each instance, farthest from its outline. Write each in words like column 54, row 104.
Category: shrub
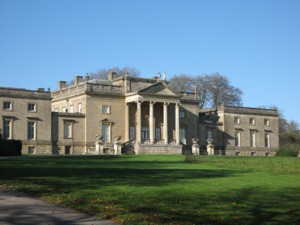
column 10, row 148
column 286, row 152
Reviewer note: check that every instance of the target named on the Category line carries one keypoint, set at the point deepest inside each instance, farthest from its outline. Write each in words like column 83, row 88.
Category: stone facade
column 240, row 130
column 26, row 116
column 144, row 112
column 131, row 115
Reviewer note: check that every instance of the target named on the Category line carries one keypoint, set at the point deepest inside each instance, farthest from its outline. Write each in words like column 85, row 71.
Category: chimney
column 127, row 84
column 62, row 84
column 40, row 89
column 112, row 75
column 77, row 80
column 87, row 77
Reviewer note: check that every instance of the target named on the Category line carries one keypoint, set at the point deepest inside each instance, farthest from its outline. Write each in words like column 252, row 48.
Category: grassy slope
column 157, row 189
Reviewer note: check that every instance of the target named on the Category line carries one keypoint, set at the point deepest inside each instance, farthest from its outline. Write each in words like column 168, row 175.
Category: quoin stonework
column 131, row 115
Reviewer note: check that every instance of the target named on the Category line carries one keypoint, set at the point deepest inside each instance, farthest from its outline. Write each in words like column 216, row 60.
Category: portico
column 152, row 121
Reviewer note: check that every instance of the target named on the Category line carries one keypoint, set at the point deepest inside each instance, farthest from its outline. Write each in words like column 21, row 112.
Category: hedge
column 286, row 152
column 10, row 147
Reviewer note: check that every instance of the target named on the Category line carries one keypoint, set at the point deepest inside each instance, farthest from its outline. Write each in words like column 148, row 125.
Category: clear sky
column 254, row 43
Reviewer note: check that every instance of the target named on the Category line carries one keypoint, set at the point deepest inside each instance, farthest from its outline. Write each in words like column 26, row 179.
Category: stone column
column 139, row 122
column 151, row 124
column 127, row 122
column 165, row 127
column 177, row 127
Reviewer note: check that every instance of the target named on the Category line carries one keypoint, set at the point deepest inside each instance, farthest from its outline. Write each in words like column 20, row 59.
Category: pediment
column 159, row 89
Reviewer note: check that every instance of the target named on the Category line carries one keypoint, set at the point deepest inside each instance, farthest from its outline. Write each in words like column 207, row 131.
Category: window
column 182, row 114
column 145, row 132
column 267, row 122
column 68, row 129
column 237, row 120
column 106, row 132
column 79, row 108
column 209, row 134
column 31, row 107
column 7, row 129
column 31, row 130
column 182, row 136
column 106, row 109
column 267, row 140
column 71, row 109
column 7, row 105
column 158, row 133
column 131, row 133
column 252, row 121
column 237, row 138
column 252, row 138
column 31, row 150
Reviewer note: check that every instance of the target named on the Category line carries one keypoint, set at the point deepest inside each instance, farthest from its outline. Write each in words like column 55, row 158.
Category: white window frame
column 68, row 129
column 79, row 108
column 106, row 132
column 6, row 104
column 181, row 114
column 237, row 120
column 71, row 108
column 7, row 129
column 158, row 133
column 182, row 135
column 252, row 121
column 253, row 138
column 145, row 133
column 267, row 140
column 105, row 109
column 31, row 130
column 132, row 133
column 237, row 138
column 31, row 107
column 267, row 122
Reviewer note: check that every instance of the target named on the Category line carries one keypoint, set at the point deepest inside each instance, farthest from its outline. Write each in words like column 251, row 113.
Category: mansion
column 142, row 115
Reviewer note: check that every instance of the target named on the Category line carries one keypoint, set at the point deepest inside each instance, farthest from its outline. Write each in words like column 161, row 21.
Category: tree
column 102, row 73
column 221, row 92
column 289, row 133
column 213, row 90
column 182, row 83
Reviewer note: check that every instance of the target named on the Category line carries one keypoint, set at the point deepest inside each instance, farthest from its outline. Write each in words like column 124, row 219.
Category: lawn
column 165, row 189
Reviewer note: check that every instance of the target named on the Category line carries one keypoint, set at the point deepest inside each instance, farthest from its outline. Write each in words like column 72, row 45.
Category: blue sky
column 255, row 43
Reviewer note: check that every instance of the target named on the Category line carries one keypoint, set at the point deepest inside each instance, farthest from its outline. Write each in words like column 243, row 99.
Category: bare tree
column 213, row 90
column 182, row 82
column 102, row 73
column 221, row 92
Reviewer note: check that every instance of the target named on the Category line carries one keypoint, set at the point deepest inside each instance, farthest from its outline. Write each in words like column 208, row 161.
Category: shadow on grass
column 158, row 192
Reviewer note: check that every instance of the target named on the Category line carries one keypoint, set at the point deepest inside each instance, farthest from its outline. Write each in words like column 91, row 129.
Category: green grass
column 164, row 189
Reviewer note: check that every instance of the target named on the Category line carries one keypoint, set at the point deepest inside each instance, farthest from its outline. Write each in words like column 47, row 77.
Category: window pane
column 31, row 107
column 132, row 133
column 252, row 139
column 68, row 130
column 6, row 129
column 237, row 138
column 31, row 132
column 106, row 132
column 145, row 132
column 158, row 133
column 105, row 109
column 267, row 140
column 182, row 136
column 7, row 105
